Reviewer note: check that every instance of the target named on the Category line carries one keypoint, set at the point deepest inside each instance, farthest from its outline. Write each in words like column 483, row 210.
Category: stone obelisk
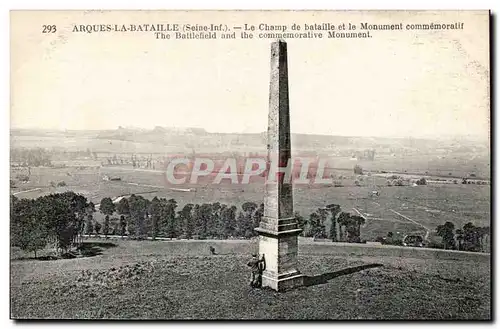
column 278, row 229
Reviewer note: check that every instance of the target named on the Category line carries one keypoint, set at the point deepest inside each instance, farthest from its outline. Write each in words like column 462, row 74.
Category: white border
column 7, row 5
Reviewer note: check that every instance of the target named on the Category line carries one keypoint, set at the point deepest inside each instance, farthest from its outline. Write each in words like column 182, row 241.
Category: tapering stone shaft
column 279, row 196
column 278, row 229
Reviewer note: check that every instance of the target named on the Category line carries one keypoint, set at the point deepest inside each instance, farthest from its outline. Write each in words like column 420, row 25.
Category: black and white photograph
column 250, row 165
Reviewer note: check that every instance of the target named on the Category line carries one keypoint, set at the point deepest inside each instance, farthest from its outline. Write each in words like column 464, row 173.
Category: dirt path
column 26, row 191
column 427, row 231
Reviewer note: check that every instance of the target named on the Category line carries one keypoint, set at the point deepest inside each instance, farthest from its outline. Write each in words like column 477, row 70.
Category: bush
column 398, row 182
column 22, row 178
column 435, row 245
column 421, row 181
column 396, row 242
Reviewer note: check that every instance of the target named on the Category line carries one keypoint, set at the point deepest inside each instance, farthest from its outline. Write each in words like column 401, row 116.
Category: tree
column 106, row 227
column 27, row 232
column 123, row 226
column 138, row 211
column 334, row 210
column 459, row 235
column 198, row 222
column 351, row 229
column 204, row 219
column 123, row 208
column 397, row 182
column 97, row 228
column 257, row 216
column 343, row 220
column 421, row 181
column 107, row 207
column 229, row 219
column 323, row 215
column 446, row 233
column 358, row 170
column 354, row 228
column 472, row 237
column 114, row 226
column 168, row 214
column 155, row 217
column 54, row 217
column 216, row 221
column 80, row 207
column 245, row 220
column 91, row 208
column 185, row 217
column 56, row 211
column 301, row 222
column 317, row 223
column 484, row 233
column 89, row 226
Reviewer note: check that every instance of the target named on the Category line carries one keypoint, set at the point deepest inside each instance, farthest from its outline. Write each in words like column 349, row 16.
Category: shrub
column 435, row 245
column 421, row 181
column 398, row 182
column 358, row 170
column 22, row 178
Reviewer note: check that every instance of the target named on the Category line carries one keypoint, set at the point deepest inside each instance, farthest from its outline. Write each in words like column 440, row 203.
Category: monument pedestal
column 279, row 243
column 278, row 229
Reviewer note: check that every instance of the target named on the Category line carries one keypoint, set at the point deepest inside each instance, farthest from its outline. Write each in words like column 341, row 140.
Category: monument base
column 282, row 282
column 280, row 249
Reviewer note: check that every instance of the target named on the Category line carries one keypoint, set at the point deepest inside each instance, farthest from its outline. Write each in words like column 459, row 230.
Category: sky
column 397, row 83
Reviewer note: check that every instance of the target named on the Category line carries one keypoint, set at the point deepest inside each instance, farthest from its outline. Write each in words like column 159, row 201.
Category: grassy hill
column 181, row 280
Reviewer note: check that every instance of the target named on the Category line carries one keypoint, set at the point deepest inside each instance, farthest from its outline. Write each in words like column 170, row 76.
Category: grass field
column 181, row 280
column 429, row 205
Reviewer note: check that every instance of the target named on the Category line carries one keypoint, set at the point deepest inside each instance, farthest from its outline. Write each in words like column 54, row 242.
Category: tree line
column 34, row 157
column 343, row 225
column 467, row 238
column 63, row 219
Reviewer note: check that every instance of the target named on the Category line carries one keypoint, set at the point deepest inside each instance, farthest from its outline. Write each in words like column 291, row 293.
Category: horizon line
column 475, row 136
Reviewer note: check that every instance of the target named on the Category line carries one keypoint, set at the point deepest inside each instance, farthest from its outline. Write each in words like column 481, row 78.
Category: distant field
column 429, row 205
column 418, row 158
column 183, row 281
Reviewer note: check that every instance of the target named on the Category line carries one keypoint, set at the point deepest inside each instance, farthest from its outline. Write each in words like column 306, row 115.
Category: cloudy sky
column 399, row 83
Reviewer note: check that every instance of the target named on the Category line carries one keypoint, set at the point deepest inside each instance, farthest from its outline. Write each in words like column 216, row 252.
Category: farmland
column 428, row 205
column 181, row 280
